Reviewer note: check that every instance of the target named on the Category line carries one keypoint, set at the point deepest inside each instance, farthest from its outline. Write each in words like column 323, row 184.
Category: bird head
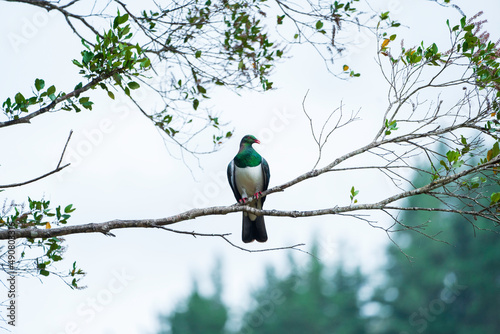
column 249, row 140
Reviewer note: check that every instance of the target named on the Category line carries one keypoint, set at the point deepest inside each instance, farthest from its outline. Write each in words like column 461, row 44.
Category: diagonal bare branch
column 57, row 169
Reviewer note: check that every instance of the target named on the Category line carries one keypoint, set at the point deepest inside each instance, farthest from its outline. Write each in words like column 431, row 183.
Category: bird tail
column 253, row 229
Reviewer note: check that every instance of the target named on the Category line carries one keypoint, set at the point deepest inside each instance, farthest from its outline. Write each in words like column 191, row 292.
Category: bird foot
column 256, row 195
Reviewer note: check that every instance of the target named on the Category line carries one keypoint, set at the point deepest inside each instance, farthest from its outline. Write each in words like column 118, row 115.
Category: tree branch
column 224, row 237
column 57, row 169
column 106, row 227
column 55, row 102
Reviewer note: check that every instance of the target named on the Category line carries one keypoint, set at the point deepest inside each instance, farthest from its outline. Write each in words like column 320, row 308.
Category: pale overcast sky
column 122, row 169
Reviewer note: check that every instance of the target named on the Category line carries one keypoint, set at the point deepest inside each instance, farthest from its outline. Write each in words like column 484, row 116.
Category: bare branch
column 224, row 237
column 12, row 185
column 64, row 149
column 57, row 169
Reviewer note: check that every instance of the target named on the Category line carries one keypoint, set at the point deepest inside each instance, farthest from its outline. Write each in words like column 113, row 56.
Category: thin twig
column 224, row 237
column 57, row 169
column 64, row 150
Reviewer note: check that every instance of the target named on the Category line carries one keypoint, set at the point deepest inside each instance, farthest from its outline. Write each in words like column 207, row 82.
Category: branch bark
column 106, row 227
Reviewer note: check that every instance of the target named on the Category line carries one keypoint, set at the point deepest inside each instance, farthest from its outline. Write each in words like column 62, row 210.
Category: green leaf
column 434, row 48
column 111, row 95
column 69, row 208
column 51, row 90
column 462, row 21
column 87, row 57
column 133, row 85
column 39, row 84
column 443, row 163
column 384, row 16
column 354, row 192
column 452, row 156
column 84, row 101
column 392, row 126
column 77, row 63
column 19, row 98
column 196, row 103
column 120, row 20
column 74, row 106
column 495, row 197
column 146, row 63
column 202, row 90
column 7, row 104
column 319, row 25
column 44, row 272
column 197, row 54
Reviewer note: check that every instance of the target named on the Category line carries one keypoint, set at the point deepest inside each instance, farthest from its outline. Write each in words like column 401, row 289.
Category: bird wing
column 232, row 180
column 266, row 175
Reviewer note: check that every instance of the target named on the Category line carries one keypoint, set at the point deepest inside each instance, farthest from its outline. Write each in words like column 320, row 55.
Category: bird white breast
column 249, row 180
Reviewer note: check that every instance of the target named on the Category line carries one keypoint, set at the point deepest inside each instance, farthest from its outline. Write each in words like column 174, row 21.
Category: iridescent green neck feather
column 247, row 156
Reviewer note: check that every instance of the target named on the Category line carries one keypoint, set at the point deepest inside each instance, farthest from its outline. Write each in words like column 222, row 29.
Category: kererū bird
column 248, row 175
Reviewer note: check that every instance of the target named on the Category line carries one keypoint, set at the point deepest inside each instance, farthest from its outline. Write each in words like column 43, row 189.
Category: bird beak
column 257, row 141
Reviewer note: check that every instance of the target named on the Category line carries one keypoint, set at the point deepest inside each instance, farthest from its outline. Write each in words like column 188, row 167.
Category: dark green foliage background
column 447, row 286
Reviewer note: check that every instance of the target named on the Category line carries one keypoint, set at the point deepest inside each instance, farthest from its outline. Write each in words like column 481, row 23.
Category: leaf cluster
column 42, row 215
column 114, row 56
